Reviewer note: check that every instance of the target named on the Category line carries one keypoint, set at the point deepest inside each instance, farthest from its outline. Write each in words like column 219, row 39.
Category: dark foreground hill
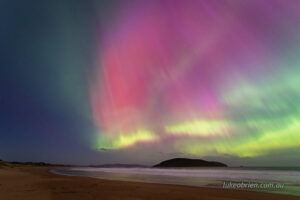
column 185, row 162
column 4, row 164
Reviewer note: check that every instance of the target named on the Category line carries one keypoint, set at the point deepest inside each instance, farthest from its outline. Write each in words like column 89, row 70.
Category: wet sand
column 37, row 183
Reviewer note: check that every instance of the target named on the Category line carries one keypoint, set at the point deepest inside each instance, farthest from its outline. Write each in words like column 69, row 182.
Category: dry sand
column 37, row 183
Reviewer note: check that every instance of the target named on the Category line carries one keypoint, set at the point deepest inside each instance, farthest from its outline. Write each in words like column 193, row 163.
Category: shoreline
column 177, row 176
column 31, row 182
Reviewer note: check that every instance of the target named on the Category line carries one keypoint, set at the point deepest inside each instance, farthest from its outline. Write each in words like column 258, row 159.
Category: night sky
column 91, row 82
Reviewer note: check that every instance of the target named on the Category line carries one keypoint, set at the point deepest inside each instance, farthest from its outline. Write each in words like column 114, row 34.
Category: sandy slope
column 36, row 183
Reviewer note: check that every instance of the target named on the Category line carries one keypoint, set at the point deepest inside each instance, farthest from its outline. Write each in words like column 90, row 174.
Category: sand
column 37, row 183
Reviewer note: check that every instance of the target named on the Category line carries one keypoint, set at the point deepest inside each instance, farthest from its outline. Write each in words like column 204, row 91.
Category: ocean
column 283, row 180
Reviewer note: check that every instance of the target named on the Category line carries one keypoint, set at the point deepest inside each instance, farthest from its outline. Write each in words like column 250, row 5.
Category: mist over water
column 289, row 178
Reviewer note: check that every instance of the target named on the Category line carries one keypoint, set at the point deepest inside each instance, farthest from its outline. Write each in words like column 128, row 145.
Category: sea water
column 282, row 180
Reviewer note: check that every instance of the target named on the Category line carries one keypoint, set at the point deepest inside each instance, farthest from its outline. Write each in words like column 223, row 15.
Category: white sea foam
column 216, row 174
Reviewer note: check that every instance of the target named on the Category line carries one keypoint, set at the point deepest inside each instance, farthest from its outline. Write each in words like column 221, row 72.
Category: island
column 186, row 162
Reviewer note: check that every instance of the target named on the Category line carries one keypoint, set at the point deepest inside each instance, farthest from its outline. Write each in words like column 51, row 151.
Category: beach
column 38, row 183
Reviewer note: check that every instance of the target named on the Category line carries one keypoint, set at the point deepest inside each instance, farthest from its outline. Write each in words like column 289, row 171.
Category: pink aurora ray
column 168, row 62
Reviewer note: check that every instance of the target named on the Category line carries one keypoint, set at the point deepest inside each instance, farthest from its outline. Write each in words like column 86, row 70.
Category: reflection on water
column 205, row 177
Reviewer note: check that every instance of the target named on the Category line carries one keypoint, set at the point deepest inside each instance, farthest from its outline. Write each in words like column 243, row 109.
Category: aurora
column 144, row 81
column 150, row 99
column 218, row 77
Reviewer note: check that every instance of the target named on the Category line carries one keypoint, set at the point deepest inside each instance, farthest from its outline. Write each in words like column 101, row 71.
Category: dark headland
column 38, row 164
column 186, row 162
